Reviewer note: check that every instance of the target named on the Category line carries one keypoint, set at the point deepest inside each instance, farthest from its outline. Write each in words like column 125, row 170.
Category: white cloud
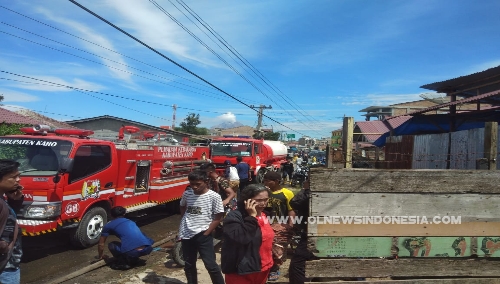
column 95, row 37
column 382, row 99
column 211, row 121
column 13, row 96
column 227, row 117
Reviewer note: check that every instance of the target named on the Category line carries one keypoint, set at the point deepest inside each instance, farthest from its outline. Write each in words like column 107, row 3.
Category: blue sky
column 317, row 60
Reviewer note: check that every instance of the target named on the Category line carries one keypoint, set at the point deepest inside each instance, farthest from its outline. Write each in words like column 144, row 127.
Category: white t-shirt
column 200, row 212
column 233, row 174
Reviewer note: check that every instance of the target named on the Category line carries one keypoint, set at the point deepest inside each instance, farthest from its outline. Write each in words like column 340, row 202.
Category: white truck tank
column 278, row 147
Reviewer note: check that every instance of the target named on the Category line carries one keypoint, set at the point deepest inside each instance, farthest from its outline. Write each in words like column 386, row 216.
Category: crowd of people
column 255, row 238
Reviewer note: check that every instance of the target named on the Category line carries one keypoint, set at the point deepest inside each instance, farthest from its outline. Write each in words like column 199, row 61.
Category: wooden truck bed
column 385, row 245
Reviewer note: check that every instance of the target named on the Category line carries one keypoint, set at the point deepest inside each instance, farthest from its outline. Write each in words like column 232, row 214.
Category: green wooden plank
column 353, row 246
column 488, row 246
column 434, row 246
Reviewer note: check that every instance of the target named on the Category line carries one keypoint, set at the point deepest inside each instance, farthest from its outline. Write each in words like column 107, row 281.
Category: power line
column 169, row 59
column 239, row 56
column 108, row 66
column 215, row 53
column 80, row 38
column 41, row 111
column 101, row 93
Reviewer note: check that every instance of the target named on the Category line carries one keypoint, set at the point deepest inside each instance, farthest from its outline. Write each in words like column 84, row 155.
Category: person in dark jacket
column 297, row 269
column 246, row 254
column 10, row 187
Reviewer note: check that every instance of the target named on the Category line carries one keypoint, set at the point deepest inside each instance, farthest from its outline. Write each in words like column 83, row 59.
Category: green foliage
column 190, row 125
column 10, row 129
column 11, row 152
column 275, row 136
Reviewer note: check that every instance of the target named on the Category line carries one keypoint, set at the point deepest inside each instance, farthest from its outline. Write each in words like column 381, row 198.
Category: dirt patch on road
column 158, row 269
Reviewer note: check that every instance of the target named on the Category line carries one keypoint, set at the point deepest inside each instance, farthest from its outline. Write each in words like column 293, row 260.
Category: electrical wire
column 171, row 60
column 41, row 111
column 96, row 92
column 80, row 38
column 242, row 59
column 108, row 66
column 216, row 54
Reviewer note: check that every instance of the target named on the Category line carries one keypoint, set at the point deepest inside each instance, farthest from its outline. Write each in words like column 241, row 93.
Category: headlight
column 42, row 211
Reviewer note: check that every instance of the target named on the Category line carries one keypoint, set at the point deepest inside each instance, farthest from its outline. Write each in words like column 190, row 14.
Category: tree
column 190, row 125
column 275, row 136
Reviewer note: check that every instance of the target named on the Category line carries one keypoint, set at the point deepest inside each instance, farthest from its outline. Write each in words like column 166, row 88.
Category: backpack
column 6, row 248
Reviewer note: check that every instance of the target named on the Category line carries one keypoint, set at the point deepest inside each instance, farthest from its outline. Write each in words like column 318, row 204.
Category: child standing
column 201, row 211
column 279, row 203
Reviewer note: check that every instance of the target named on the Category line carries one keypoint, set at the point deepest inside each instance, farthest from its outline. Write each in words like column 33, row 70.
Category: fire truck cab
column 260, row 155
column 71, row 181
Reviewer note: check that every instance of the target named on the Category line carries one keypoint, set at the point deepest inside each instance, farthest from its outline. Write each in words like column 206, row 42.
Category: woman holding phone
column 246, row 255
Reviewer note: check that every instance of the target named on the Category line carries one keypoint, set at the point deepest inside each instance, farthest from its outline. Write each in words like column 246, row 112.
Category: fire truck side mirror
column 66, row 165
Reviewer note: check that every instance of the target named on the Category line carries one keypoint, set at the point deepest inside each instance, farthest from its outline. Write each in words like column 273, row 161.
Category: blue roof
column 440, row 123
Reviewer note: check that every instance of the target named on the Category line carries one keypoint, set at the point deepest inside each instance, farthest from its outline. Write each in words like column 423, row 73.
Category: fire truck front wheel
column 89, row 231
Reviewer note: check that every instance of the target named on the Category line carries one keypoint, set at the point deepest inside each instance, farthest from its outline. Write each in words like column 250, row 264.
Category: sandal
column 273, row 276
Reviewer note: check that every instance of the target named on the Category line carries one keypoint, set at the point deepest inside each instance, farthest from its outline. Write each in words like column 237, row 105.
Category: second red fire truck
column 261, row 155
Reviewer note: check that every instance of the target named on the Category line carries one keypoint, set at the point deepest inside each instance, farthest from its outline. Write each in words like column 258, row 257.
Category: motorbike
column 300, row 174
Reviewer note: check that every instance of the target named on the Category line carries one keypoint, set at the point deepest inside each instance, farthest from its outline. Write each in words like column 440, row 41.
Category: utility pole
column 174, row 107
column 259, row 115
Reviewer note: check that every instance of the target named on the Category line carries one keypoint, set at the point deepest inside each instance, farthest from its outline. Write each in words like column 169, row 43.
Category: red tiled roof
column 42, row 119
column 380, row 126
column 10, row 117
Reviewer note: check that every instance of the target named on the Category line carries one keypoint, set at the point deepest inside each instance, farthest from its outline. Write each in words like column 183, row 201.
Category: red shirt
column 265, row 251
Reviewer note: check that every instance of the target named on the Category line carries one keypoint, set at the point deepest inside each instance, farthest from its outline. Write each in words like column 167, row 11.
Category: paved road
column 51, row 256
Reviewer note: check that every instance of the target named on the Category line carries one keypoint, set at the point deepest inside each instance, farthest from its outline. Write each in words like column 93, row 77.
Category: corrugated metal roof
column 485, row 81
column 380, row 126
column 137, row 123
column 10, row 117
column 462, row 101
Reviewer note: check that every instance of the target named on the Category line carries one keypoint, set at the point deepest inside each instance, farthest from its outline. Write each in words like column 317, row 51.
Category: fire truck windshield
column 231, row 148
column 36, row 156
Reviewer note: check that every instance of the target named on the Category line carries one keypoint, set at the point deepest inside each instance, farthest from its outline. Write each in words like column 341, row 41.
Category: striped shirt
column 200, row 211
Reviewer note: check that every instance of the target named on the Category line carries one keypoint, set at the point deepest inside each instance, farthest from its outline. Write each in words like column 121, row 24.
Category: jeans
column 132, row 255
column 10, row 276
column 205, row 246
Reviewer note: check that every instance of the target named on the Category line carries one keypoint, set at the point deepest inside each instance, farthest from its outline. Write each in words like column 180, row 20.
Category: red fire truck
column 71, row 180
column 261, row 155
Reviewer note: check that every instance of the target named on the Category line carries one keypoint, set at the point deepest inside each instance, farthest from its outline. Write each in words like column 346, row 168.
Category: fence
column 457, row 150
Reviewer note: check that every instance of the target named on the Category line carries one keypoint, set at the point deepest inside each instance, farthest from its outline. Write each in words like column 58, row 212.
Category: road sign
column 290, row 136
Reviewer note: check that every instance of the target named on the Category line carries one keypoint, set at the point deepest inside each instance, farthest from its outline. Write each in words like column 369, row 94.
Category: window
column 89, row 160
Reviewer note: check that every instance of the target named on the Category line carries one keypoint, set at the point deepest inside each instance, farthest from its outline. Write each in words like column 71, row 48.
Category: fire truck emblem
column 72, row 208
column 91, row 189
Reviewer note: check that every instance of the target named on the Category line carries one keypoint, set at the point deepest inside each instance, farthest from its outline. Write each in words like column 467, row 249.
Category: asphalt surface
column 51, row 256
